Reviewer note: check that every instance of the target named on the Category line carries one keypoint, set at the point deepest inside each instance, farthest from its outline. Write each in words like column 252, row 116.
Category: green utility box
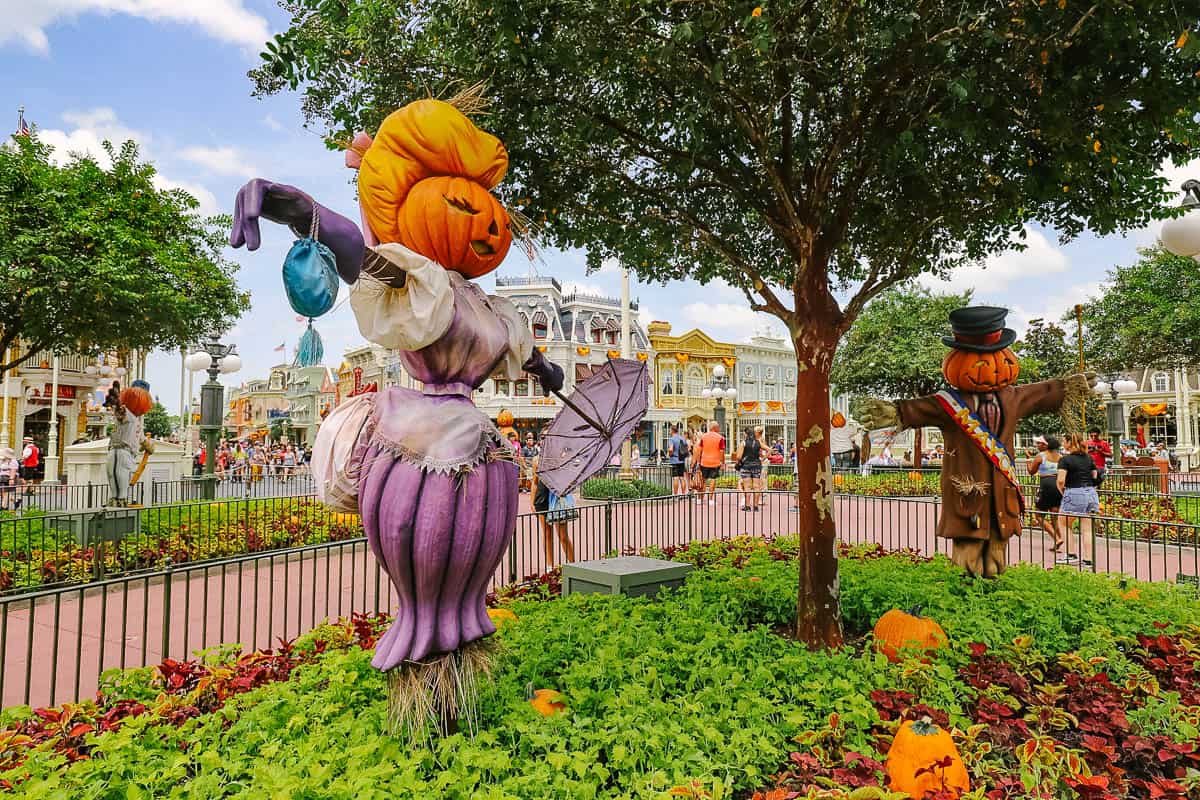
column 98, row 525
column 633, row 576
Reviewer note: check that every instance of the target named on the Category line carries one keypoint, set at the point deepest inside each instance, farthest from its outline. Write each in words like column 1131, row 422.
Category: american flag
column 282, row 348
column 22, row 125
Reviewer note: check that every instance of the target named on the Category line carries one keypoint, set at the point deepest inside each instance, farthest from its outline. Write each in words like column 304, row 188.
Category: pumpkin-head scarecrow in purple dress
column 982, row 501
column 435, row 484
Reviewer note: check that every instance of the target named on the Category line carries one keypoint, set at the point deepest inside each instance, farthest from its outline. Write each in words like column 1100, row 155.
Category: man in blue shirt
column 677, row 455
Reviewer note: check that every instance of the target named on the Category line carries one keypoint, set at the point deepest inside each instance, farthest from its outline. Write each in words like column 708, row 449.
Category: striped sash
column 987, row 442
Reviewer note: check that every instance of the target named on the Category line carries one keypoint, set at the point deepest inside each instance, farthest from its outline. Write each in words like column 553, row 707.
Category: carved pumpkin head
column 423, row 181
column 505, row 418
column 457, row 223
column 972, row 371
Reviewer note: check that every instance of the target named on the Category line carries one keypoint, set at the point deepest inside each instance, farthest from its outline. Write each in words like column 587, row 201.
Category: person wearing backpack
column 678, row 451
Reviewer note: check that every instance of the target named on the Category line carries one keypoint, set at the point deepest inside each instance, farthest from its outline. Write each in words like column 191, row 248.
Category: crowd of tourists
column 247, row 461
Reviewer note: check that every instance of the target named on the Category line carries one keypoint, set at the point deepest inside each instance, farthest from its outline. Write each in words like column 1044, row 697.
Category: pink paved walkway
column 259, row 599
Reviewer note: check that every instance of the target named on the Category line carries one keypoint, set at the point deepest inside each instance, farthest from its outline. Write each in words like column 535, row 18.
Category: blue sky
column 171, row 74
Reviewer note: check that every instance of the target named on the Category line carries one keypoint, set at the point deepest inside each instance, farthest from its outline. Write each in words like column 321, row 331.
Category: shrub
column 616, row 489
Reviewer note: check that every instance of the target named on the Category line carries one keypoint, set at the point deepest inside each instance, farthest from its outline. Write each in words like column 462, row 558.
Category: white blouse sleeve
column 412, row 316
column 520, row 341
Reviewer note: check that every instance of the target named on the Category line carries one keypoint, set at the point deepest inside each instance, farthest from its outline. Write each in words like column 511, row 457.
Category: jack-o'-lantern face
column 969, row 371
column 457, row 223
column 504, row 419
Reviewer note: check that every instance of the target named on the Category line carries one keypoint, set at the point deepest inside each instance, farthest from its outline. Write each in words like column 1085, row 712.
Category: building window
column 1161, row 382
column 502, row 387
column 522, row 388
column 1161, row 429
column 695, row 382
column 541, row 327
column 770, row 391
column 611, row 337
column 668, row 381
column 597, row 335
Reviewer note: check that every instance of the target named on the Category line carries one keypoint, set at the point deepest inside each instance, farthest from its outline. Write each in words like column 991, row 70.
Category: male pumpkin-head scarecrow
column 978, row 414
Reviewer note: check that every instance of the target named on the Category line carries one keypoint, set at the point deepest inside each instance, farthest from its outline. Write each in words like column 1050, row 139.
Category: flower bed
column 617, row 489
column 1086, row 687
column 33, row 553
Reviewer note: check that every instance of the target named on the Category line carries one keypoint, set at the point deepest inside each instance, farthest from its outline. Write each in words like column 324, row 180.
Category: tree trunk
column 818, row 605
column 918, row 446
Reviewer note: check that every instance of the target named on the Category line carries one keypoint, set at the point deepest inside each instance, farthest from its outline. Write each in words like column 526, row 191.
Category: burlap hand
column 875, row 414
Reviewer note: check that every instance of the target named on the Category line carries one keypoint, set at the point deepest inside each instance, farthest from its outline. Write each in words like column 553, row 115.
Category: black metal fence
column 55, row 642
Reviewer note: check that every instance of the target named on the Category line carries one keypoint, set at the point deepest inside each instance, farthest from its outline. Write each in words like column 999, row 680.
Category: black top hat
column 979, row 329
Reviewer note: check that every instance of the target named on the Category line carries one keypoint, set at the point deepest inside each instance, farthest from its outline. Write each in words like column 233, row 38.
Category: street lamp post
column 1115, row 385
column 719, row 389
column 215, row 358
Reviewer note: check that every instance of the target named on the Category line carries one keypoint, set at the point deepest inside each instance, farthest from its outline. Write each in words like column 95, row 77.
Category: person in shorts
column 748, row 461
column 1045, row 466
column 678, row 450
column 1077, row 482
column 552, row 521
column 711, row 456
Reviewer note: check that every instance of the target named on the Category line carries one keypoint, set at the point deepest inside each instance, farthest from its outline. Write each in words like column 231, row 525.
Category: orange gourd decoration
column 424, row 181
column 839, row 480
column 923, row 758
column 907, row 630
column 137, row 401
column 914, row 475
column 981, row 372
column 547, row 702
column 838, row 420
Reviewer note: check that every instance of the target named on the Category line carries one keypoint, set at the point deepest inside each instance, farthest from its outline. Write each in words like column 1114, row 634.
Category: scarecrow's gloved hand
column 287, row 205
column 876, row 414
column 549, row 374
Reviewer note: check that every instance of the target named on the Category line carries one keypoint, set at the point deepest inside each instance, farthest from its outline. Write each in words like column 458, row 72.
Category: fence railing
column 55, row 642
column 80, row 496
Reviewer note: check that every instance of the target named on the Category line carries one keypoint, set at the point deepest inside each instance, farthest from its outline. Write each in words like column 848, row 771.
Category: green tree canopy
column 1146, row 315
column 894, row 349
column 157, row 422
column 796, row 149
column 96, row 258
column 1048, row 351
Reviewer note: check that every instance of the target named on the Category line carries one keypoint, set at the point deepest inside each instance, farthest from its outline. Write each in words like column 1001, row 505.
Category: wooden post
column 1079, row 340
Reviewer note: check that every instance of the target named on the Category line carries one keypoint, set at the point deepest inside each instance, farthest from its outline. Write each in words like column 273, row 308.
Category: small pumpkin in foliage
column 980, row 372
column 546, row 702
column 923, row 758
column 900, row 630
column 914, row 475
column 839, row 480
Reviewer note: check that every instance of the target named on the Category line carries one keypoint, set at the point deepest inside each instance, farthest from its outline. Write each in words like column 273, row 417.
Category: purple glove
column 549, row 374
column 289, row 206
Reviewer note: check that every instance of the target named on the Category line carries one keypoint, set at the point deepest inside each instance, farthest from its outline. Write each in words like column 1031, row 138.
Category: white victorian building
column 577, row 331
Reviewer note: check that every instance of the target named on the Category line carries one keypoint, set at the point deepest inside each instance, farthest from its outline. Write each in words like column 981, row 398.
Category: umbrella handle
column 604, row 431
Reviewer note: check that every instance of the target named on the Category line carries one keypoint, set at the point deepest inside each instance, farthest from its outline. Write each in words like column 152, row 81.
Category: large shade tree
column 802, row 150
column 894, row 349
column 96, row 257
column 1146, row 315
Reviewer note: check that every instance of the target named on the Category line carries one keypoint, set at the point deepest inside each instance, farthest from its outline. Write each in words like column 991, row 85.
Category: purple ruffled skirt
column 440, row 537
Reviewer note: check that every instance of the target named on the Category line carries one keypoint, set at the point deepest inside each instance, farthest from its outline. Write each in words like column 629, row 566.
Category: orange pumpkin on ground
column 980, row 372
column 914, row 475
column 137, row 401
column 547, row 702
column 907, row 630
column 839, row 480
column 923, row 758
column 457, row 223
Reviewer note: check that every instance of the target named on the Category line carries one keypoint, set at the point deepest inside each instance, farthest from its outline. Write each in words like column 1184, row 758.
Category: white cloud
column 1040, row 257
column 220, row 161
column 26, row 21
column 1051, row 308
column 730, row 322
column 272, row 123
column 575, row 287
column 92, row 127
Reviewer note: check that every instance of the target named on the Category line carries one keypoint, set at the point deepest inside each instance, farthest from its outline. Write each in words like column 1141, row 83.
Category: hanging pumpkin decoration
column 907, row 630
column 923, row 758
column 457, row 223
column 614, row 353
column 546, row 702
column 642, row 356
column 137, row 401
column 505, row 418
column 1154, row 409
column 582, row 350
column 838, row 420
column 972, row 371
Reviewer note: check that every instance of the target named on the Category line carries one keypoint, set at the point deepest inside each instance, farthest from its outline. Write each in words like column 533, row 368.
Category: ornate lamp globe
column 231, row 363
column 719, row 370
column 198, row 361
column 706, row 393
column 731, row 393
column 1181, row 235
column 1124, row 386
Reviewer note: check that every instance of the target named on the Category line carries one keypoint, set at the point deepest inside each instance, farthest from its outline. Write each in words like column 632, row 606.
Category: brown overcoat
column 970, row 513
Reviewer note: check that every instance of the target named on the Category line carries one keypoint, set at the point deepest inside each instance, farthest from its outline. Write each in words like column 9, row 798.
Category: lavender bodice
column 469, row 351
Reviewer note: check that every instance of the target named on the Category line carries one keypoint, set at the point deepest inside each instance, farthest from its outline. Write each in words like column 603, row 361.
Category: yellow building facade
column 683, row 367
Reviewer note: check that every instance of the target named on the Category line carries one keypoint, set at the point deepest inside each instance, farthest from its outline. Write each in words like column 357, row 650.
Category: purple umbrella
column 600, row 414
